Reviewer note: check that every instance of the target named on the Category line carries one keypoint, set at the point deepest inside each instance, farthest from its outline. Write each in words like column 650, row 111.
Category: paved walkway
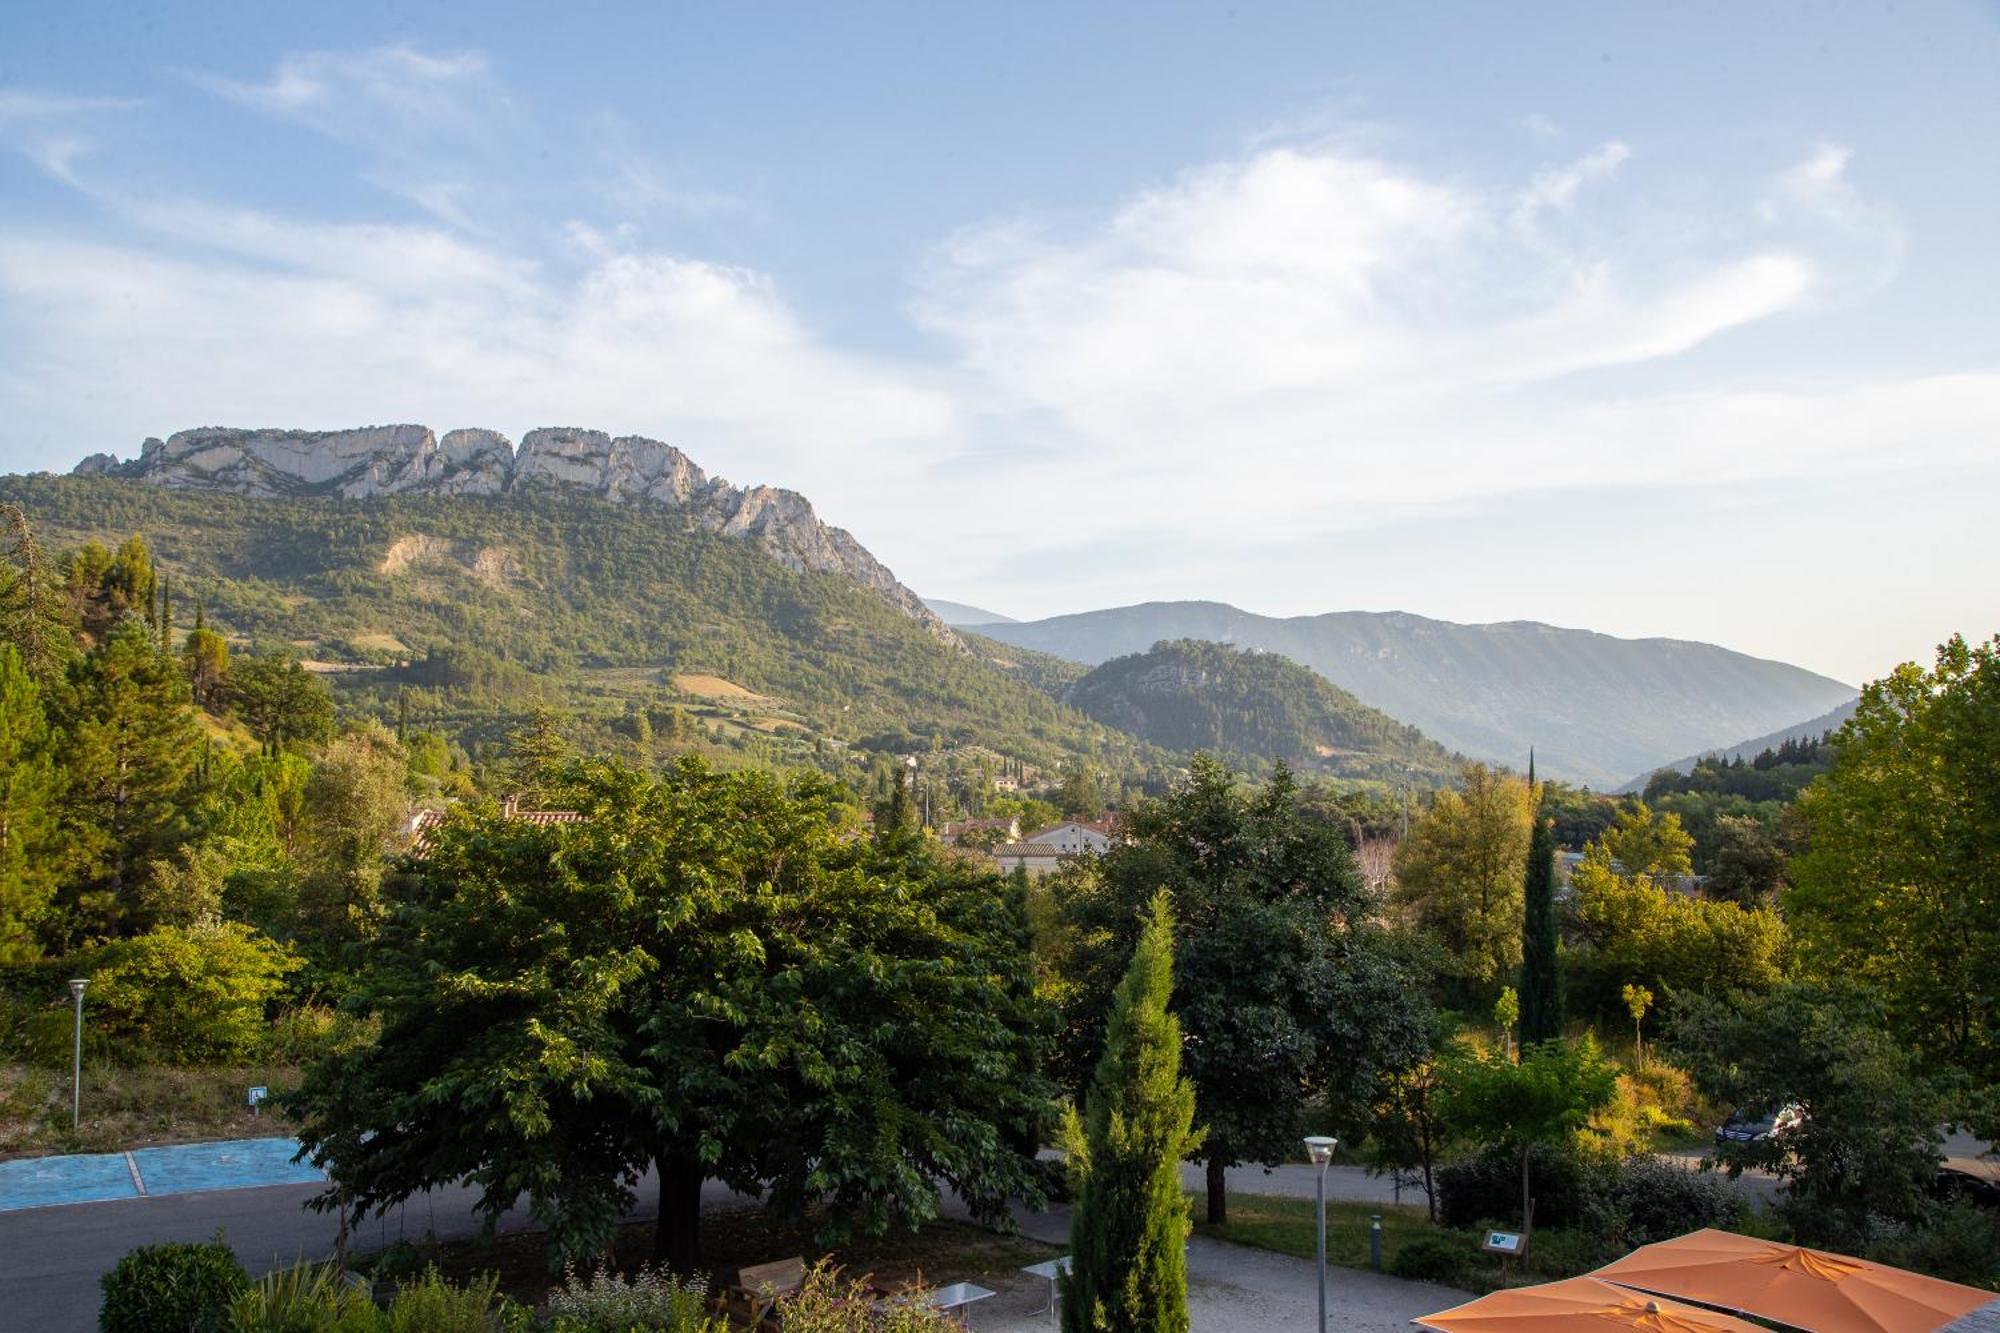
column 188, row 1168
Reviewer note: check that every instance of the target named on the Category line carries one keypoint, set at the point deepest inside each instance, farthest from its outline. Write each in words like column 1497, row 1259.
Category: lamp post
column 76, row 986
column 1320, row 1149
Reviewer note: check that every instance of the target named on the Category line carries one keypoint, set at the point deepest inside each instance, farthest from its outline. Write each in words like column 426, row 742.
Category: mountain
column 1251, row 708
column 1810, row 729
column 470, row 592
column 1595, row 708
column 377, row 461
column 958, row 613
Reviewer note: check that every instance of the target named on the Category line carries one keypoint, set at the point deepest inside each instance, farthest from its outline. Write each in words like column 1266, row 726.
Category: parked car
column 1750, row 1126
column 1955, row 1184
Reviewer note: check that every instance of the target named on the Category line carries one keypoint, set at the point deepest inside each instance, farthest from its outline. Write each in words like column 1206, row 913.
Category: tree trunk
column 677, row 1231
column 1527, row 1201
column 1218, row 1189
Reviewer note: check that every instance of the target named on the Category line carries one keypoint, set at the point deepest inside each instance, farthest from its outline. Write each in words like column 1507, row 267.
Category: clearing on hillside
column 715, row 687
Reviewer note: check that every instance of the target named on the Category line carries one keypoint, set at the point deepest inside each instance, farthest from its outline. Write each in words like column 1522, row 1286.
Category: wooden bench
column 752, row 1299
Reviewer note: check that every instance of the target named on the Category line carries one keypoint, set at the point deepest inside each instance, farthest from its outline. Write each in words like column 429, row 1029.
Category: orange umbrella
column 1580, row 1305
column 1809, row 1289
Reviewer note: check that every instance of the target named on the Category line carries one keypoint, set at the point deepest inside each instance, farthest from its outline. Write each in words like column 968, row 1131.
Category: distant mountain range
column 1810, row 729
column 1597, row 709
column 958, row 613
column 1251, row 708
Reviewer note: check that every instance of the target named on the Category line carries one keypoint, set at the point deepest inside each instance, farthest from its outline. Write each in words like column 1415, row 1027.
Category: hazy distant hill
column 1810, row 729
column 1252, row 708
column 1597, row 709
column 958, row 613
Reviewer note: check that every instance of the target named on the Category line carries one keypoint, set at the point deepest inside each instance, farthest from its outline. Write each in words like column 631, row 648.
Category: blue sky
column 1652, row 319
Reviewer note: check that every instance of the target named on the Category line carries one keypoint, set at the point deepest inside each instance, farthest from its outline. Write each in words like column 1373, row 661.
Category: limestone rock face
column 411, row 460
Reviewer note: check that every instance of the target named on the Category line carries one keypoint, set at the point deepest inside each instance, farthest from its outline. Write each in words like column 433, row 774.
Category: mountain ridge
column 369, row 462
column 1810, row 729
column 1597, row 708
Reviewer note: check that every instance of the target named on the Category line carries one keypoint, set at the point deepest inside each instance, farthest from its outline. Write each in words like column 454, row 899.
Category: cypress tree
column 28, row 784
column 1129, row 1226
column 1541, row 983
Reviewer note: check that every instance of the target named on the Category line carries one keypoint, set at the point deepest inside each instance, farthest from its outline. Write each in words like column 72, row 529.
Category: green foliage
column 1541, row 965
column 357, row 806
column 1460, row 873
column 28, row 788
column 1253, row 709
column 1546, row 1098
column 433, row 1305
column 1290, row 992
column 1486, row 1186
column 828, row 1303
column 1898, row 885
column 176, row 1286
column 187, row 995
column 1959, row 1243
column 604, row 1302
column 1431, row 1259
column 279, row 700
column 1634, row 924
column 697, row 976
column 1650, row 1200
column 1867, row 1148
column 1129, row 1222
column 304, row 1298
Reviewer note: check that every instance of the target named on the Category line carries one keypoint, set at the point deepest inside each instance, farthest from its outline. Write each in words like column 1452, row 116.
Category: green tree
column 1080, row 797
column 1284, row 980
column 1547, row 1098
column 1637, row 1001
column 206, row 659
column 696, row 976
column 1541, row 975
column 1898, row 884
column 32, row 615
column 355, row 808
column 131, row 749
column 1129, row 1225
column 28, row 790
column 280, row 701
column 1748, row 865
column 1407, row 1128
column 1461, row 870
column 187, row 995
column 1867, row 1146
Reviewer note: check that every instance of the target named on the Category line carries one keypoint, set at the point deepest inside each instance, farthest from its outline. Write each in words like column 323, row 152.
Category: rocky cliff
column 412, row 460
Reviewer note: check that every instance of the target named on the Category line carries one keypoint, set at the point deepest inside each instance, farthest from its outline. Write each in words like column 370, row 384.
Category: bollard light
column 1319, row 1148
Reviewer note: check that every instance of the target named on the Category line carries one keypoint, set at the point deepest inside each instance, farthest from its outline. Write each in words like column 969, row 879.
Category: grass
column 125, row 1107
column 1287, row 1226
column 944, row 1251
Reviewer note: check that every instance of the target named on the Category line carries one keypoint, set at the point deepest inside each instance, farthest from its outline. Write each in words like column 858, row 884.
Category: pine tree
column 27, row 814
column 32, row 612
column 1541, row 982
column 1129, row 1226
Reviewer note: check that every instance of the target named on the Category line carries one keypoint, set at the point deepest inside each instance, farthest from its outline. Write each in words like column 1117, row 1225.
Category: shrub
column 1431, row 1259
column 1566, row 1187
column 608, row 1303
column 306, row 1298
column 433, row 1305
column 827, row 1304
column 175, row 1286
column 1652, row 1201
column 187, row 995
column 302, row 1034
column 1960, row 1243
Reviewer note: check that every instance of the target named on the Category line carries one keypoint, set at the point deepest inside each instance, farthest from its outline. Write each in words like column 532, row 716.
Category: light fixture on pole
column 76, row 986
column 1320, row 1149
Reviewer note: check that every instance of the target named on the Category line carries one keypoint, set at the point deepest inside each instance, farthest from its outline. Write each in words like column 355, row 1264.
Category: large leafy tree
column 699, row 978
column 1284, row 982
column 1900, row 885
column 1460, row 872
column 1128, row 1231
column 280, row 701
column 1867, row 1147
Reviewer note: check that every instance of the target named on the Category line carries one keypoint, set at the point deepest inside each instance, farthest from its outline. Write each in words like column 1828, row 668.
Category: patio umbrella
column 1787, row 1284
column 1580, row 1305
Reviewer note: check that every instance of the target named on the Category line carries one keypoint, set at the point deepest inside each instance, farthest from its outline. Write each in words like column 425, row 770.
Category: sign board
column 257, row 1095
column 1505, row 1242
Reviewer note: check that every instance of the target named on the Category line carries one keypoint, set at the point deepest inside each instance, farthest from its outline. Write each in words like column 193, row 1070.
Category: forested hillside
column 470, row 611
column 1254, row 708
column 1595, row 708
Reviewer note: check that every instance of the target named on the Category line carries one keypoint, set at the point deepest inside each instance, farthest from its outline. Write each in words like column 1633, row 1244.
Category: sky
column 1668, row 319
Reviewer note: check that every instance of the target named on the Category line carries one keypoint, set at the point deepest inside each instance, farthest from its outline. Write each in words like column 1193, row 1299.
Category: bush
column 1960, row 1243
column 607, row 1303
column 306, row 1298
column 187, row 995
column 300, row 1035
column 827, row 1304
column 432, row 1305
column 1652, row 1201
column 175, row 1286
column 1567, row 1189
column 1431, row 1259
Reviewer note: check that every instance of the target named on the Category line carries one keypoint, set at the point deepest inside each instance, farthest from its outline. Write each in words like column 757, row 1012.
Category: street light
column 76, row 986
column 1320, row 1149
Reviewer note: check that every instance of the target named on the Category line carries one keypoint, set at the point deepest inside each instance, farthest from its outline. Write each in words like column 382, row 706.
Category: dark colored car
column 1958, row 1185
column 1756, row 1126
